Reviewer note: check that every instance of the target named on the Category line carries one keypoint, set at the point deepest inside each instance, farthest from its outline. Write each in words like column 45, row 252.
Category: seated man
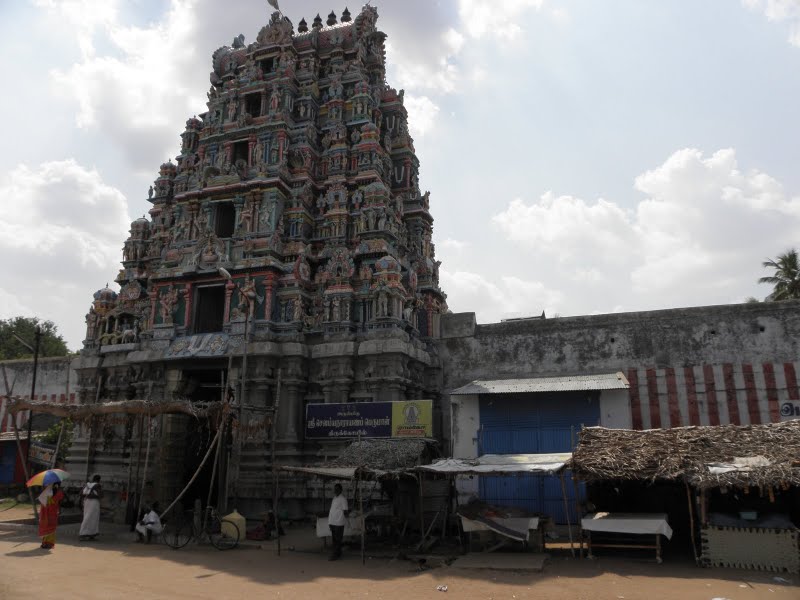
column 150, row 524
column 271, row 526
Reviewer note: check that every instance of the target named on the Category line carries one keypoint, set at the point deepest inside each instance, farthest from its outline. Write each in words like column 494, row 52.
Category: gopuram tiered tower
column 290, row 230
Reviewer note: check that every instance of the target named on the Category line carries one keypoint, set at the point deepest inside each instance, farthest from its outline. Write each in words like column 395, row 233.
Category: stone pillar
column 187, row 300
column 153, row 302
column 289, row 411
column 281, row 138
column 269, row 283
column 251, row 143
column 229, row 287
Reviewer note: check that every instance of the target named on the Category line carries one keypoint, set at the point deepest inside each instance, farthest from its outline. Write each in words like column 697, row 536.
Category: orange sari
column 48, row 519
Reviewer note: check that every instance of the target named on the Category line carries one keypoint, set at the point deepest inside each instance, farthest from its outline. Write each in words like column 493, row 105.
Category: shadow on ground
column 307, row 561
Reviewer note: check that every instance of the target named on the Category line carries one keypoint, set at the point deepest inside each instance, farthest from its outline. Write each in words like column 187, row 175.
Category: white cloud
column 697, row 238
column 143, row 87
column 422, row 114
column 567, row 226
column 492, row 301
column 780, row 11
column 453, row 244
column 498, row 17
column 63, row 246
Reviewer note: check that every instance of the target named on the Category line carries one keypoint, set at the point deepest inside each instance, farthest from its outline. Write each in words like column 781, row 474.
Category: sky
column 582, row 157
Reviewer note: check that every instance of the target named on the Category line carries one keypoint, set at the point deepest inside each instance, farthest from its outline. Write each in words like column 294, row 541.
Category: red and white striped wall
column 6, row 419
column 730, row 393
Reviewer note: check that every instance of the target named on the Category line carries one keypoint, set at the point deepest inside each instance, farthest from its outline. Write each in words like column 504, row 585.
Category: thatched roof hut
column 387, row 454
column 726, row 455
column 375, row 459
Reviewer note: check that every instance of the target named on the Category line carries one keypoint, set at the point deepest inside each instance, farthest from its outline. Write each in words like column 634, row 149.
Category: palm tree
column 786, row 278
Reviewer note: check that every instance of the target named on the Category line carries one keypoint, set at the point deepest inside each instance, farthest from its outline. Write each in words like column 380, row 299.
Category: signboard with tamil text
column 409, row 418
column 42, row 454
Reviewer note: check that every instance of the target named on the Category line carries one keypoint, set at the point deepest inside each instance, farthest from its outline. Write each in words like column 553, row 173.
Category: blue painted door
column 533, row 424
column 8, row 457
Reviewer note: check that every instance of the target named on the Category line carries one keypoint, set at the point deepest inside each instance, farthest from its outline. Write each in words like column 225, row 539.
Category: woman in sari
column 50, row 502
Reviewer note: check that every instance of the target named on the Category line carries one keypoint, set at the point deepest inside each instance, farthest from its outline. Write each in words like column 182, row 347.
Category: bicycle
column 223, row 534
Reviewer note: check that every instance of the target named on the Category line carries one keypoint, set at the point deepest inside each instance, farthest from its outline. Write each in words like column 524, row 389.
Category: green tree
column 786, row 278
column 51, row 343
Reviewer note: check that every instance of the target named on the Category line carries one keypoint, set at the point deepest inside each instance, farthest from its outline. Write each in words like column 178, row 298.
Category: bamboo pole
column 9, row 391
column 566, row 513
column 214, row 442
column 421, row 511
column 363, row 527
column 91, row 428
column 224, row 476
column 138, row 464
column 274, row 467
column 576, row 490
column 130, row 468
column 58, row 446
column 130, row 407
column 60, row 432
column 691, row 520
column 220, row 430
column 25, row 468
column 146, row 462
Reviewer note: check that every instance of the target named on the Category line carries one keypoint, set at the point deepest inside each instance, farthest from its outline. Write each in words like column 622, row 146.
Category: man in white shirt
column 150, row 524
column 337, row 517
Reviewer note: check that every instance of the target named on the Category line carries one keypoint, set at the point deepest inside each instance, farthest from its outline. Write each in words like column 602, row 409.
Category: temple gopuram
column 287, row 259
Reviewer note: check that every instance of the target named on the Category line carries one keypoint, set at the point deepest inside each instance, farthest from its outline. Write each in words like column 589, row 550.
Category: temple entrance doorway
column 201, row 385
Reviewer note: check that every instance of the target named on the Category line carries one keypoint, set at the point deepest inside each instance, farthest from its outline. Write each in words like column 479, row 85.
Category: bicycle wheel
column 223, row 537
column 177, row 535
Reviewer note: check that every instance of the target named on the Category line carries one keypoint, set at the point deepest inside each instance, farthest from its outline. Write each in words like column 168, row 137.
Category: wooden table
column 634, row 525
column 512, row 528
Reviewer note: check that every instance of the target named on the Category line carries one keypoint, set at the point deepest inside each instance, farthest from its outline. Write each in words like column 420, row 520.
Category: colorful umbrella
column 47, row 477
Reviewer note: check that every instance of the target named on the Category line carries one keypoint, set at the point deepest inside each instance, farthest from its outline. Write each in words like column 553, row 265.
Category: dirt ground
column 118, row 568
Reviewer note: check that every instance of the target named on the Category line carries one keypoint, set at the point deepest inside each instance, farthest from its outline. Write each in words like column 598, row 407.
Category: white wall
column 464, row 422
column 615, row 409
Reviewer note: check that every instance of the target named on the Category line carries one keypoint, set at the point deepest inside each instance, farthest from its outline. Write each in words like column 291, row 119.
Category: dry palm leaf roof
column 384, row 454
column 737, row 455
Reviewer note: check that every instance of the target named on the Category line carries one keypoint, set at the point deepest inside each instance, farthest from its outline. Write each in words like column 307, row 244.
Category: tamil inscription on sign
column 410, row 418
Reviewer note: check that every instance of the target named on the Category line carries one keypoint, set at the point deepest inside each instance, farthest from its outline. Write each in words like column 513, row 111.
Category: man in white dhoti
column 150, row 524
column 90, row 500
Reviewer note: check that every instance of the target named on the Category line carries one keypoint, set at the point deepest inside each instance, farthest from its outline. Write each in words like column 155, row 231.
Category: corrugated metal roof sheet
column 568, row 383
column 501, row 464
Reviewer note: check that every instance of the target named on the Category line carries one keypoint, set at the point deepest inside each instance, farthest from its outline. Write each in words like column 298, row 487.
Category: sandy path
column 115, row 570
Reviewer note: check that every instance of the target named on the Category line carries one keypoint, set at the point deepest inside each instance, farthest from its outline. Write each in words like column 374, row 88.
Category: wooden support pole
column 9, row 391
column 566, row 513
column 274, row 434
column 576, row 490
column 60, row 433
column 691, row 520
column 138, row 465
column 58, row 446
column 211, row 447
column 220, row 430
column 363, row 527
column 421, row 511
column 25, row 468
column 128, row 407
column 146, row 462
